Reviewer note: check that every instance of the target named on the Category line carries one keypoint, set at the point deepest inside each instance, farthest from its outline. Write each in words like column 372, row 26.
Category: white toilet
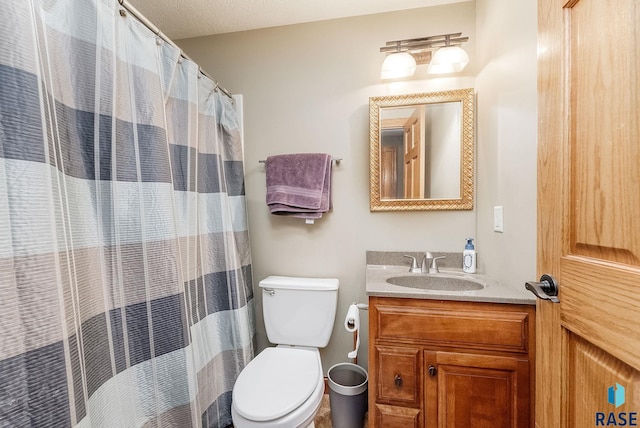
column 283, row 386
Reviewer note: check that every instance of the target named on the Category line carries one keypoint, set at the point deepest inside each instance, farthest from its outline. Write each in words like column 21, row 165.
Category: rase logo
column 616, row 397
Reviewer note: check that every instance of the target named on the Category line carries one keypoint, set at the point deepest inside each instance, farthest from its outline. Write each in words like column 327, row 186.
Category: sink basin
column 443, row 283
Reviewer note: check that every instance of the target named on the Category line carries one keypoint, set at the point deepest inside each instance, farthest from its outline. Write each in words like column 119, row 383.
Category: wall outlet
column 498, row 219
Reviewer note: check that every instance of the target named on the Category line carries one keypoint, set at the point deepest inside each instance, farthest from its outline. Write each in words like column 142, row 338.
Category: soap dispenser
column 469, row 257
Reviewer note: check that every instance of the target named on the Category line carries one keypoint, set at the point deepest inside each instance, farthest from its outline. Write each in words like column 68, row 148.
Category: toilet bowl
column 283, row 386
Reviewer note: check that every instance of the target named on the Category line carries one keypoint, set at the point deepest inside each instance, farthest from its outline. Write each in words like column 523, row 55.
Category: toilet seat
column 276, row 382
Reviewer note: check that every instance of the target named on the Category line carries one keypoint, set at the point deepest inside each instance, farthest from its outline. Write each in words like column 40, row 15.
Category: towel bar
column 336, row 160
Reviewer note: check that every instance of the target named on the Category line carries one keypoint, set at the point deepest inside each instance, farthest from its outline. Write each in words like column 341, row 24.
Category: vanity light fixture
column 448, row 59
column 404, row 55
column 398, row 64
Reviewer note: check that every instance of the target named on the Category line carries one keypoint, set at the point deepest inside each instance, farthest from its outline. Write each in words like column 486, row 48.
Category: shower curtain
column 125, row 271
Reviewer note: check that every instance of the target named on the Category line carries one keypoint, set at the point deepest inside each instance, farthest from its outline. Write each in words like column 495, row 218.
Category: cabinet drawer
column 398, row 375
column 475, row 326
column 397, row 417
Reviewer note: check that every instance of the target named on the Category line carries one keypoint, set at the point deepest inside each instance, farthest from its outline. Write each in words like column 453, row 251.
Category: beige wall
column 506, row 89
column 306, row 88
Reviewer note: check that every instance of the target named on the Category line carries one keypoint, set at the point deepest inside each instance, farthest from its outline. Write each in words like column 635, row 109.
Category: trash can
column 347, row 395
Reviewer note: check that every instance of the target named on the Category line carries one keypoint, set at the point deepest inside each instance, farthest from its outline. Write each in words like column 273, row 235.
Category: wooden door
column 414, row 155
column 388, row 173
column 588, row 345
column 480, row 391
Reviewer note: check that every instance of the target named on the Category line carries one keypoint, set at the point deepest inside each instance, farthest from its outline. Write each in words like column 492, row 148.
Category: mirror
column 421, row 151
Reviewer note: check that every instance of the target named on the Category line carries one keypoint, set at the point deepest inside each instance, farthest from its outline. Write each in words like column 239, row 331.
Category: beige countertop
column 377, row 285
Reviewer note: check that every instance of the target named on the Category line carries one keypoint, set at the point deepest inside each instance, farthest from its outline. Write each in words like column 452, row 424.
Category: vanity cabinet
column 435, row 363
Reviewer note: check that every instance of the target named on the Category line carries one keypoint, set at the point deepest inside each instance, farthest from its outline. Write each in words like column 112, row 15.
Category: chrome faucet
column 429, row 263
column 432, row 263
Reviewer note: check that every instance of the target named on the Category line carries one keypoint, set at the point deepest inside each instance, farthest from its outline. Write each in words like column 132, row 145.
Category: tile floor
column 323, row 418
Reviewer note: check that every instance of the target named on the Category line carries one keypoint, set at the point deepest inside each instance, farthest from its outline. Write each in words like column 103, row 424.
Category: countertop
column 493, row 292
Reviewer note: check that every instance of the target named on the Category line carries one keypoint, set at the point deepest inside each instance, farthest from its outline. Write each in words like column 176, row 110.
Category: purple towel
column 299, row 185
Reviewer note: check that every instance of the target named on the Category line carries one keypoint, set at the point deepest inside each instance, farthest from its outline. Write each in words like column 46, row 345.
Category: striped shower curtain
column 125, row 271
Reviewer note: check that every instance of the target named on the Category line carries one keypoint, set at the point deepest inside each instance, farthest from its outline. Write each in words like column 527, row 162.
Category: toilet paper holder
column 352, row 324
column 362, row 306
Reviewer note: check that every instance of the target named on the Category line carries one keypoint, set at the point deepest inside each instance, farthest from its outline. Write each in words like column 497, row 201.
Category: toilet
column 283, row 385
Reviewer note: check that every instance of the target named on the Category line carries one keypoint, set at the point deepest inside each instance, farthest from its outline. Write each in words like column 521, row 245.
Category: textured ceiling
column 180, row 19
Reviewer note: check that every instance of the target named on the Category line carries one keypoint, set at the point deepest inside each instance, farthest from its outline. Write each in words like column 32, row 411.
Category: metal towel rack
column 336, row 160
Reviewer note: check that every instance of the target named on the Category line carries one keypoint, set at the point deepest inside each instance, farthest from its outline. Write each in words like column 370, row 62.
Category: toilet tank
column 299, row 311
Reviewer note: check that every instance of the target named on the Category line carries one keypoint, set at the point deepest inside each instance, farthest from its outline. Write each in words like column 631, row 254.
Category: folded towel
column 290, row 204
column 299, row 184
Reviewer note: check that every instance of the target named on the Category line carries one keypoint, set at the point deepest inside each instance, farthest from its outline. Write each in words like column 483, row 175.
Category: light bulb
column 399, row 64
column 450, row 59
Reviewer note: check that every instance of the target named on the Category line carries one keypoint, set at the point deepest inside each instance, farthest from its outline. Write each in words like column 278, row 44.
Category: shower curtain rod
column 140, row 17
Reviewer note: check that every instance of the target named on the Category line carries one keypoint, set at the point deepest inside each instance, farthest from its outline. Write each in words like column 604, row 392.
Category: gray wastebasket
column 347, row 395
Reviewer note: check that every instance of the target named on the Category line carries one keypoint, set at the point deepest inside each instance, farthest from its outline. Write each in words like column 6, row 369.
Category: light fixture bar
column 425, row 39
column 433, row 42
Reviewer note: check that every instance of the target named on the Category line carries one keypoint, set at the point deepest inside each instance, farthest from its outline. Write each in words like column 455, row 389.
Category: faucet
column 429, row 264
column 432, row 263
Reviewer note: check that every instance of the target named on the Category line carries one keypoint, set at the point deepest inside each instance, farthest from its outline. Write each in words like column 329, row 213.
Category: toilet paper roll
column 352, row 320
column 351, row 324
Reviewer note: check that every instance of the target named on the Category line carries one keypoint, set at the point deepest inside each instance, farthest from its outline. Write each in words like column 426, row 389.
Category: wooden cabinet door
column 588, row 212
column 479, row 391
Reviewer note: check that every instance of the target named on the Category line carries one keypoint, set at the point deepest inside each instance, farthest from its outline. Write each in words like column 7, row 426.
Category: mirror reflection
column 421, row 151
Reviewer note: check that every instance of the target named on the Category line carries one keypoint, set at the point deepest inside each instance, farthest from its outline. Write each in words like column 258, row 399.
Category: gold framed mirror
column 421, row 151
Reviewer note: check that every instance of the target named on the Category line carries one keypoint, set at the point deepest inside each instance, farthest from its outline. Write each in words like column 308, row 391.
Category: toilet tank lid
column 298, row 283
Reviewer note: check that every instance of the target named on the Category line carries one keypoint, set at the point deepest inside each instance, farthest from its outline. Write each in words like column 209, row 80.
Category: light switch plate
column 498, row 219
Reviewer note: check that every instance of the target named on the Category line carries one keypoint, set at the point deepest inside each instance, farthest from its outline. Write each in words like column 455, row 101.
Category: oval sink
column 443, row 283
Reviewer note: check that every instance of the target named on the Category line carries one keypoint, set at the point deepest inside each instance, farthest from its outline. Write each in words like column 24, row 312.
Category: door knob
column 433, row 371
column 546, row 289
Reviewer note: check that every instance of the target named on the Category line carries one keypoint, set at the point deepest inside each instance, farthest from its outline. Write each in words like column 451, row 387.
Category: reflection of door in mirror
column 388, row 175
column 414, row 148
column 392, row 158
column 425, row 142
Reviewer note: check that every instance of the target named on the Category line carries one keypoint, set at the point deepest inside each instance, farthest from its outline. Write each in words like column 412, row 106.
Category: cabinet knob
column 398, row 380
column 433, row 371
